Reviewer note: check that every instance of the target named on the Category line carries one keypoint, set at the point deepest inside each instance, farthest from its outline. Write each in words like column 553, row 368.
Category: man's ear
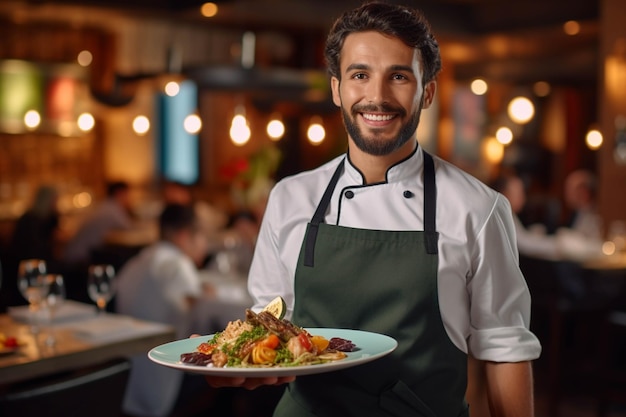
column 334, row 85
column 429, row 93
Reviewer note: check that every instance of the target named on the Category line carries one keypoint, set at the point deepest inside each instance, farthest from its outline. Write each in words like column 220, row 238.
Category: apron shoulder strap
column 430, row 204
column 318, row 217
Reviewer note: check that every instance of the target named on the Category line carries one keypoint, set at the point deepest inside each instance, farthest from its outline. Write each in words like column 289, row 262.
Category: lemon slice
column 277, row 307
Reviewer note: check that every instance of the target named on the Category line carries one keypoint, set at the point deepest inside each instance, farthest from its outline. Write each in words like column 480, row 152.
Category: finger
column 285, row 380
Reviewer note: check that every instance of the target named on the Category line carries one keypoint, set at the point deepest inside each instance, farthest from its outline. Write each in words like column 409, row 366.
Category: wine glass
column 32, row 283
column 101, row 285
column 55, row 296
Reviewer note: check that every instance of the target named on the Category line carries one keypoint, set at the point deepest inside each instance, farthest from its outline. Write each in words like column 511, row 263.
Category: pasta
column 263, row 340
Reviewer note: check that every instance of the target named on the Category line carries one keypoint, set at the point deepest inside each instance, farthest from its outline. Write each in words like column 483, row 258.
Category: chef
column 390, row 239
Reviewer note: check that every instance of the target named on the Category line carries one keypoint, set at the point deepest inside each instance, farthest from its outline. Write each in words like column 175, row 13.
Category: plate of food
column 266, row 345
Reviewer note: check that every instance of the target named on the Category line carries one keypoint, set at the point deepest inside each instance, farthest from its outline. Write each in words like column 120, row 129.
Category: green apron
column 383, row 282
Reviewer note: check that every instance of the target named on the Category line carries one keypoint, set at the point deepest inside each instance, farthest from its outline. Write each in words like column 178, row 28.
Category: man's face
column 380, row 92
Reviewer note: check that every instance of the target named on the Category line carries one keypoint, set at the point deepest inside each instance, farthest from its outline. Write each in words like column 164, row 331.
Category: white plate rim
column 363, row 355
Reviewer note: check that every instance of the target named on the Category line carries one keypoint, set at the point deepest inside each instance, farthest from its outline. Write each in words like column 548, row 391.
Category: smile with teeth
column 377, row 117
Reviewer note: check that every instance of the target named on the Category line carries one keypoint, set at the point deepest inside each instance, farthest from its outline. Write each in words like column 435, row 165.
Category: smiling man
column 392, row 240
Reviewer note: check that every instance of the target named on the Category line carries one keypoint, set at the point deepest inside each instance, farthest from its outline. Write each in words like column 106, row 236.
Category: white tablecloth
column 68, row 311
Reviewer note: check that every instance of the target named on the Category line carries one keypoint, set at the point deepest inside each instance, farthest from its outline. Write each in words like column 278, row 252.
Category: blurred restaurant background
column 230, row 96
column 94, row 91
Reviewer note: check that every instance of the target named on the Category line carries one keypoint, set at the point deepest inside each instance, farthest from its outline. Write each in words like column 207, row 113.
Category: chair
column 612, row 379
column 96, row 391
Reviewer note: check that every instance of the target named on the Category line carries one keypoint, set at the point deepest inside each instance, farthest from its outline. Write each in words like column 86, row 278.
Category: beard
column 375, row 144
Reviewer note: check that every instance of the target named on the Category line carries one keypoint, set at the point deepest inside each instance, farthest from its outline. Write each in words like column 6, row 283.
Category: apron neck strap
column 320, row 212
column 430, row 205
column 318, row 217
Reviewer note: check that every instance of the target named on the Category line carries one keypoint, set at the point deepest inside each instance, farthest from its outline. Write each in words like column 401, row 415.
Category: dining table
column 78, row 337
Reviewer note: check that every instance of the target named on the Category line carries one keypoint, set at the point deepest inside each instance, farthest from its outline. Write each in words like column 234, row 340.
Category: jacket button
column 349, row 194
column 407, row 194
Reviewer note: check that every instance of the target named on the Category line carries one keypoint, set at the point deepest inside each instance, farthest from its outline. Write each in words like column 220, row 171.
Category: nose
column 377, row 91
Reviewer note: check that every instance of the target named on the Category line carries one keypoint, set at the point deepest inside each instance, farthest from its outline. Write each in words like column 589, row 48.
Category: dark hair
column 176, row 217
column 115, row 187
column 408, row 25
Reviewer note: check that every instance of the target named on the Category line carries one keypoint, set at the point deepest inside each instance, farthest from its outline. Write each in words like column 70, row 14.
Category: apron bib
column 383, row 282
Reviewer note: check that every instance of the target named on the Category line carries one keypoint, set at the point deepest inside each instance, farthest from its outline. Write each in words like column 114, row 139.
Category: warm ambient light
column 493, row 150
column 209, row 9
column 32, row 119
column 504, row 135
column 521, row 110
column 141, row 125
column 172, row 88
column 594, row 139
column 316, row 132
column 192, row 124
column 541, row 88
column 82, row 200
column 275, row 129
column 86, row 122
column 571, row 27
column 608, row 248
column 84, row 58
column 239, row 130
column 479, row 87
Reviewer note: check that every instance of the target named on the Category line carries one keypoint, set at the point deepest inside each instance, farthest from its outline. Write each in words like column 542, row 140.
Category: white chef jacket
column 483, row 296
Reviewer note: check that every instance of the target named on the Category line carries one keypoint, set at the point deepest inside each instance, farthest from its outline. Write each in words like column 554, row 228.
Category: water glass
column 33, row 285
column 101, row 285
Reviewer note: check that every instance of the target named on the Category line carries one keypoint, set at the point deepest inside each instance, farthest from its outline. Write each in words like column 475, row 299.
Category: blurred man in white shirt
column 161, row 284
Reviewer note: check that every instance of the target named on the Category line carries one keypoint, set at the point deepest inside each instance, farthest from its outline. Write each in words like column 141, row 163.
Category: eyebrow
column 358, row 66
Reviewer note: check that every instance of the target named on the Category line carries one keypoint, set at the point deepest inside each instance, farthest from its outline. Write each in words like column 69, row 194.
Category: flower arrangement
column 252, row 178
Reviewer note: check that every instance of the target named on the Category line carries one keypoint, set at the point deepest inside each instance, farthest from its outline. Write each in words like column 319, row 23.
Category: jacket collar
column 407, row 168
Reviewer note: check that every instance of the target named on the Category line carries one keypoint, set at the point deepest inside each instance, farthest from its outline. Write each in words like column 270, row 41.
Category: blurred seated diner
column 211, row 220
column 113, row 213
column 161, row 284
column 35, row 235
column 36, row 232
column 532, row 240
column 580, row 191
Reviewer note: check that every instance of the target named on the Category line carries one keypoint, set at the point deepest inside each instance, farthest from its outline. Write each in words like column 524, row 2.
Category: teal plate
column 369, row 347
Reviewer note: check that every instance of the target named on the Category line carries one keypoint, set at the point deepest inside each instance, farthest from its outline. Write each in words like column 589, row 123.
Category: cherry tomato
column 305, row 341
